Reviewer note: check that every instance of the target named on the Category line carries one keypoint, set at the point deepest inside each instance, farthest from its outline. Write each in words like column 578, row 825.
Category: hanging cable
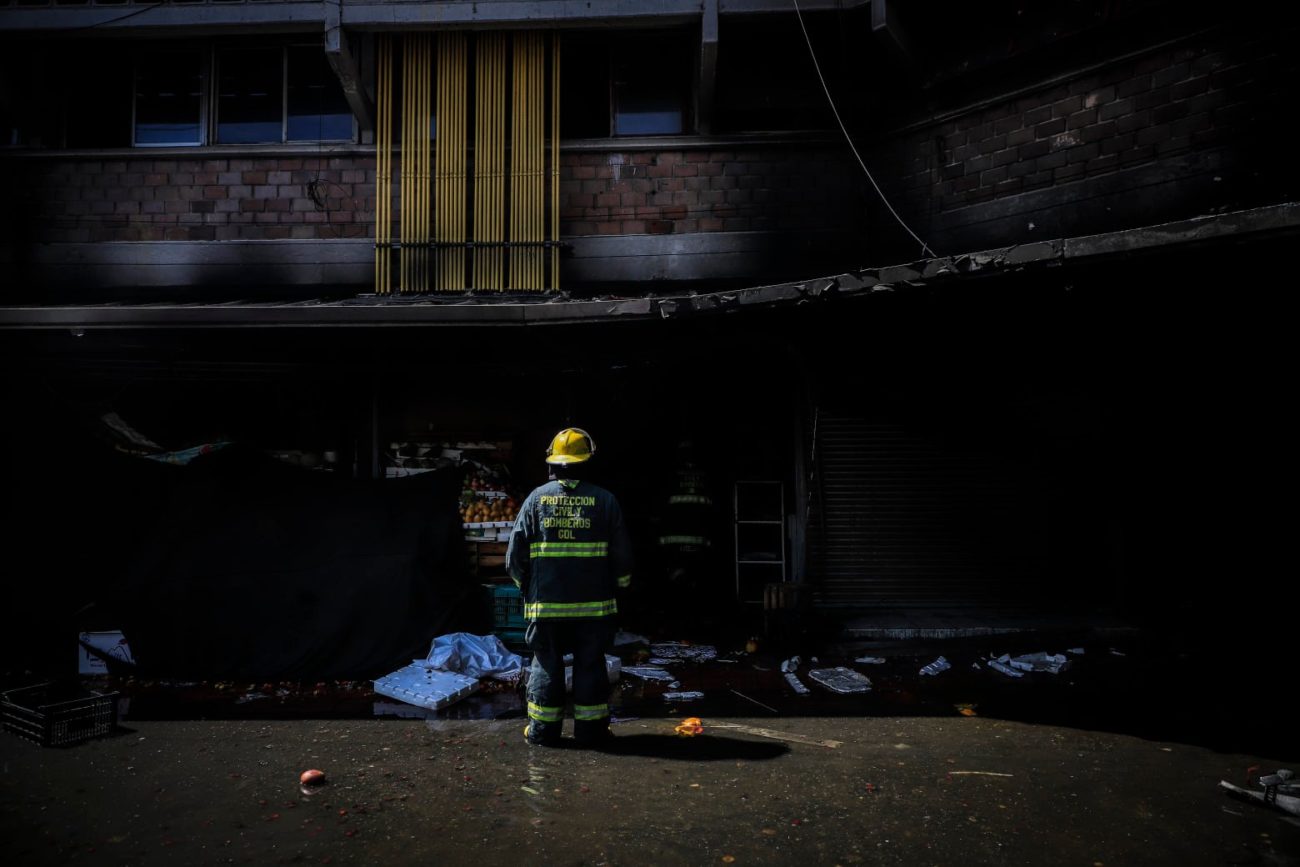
column 119, row 18
column 831, row 101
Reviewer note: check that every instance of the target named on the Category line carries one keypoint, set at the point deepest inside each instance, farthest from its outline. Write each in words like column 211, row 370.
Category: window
column 110, row 93
column 279, row 94
column 97, row 97
column 652, row 87
column 169, row 98
column 756, row 94
column 250, row 95
column 28, row 115
column 317, row 109
column 626, row 84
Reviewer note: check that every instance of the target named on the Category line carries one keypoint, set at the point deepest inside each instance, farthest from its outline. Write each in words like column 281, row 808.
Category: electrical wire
column 831, row 101
column 131, row 14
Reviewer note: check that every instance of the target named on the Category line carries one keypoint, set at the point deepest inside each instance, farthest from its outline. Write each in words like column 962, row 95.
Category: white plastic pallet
column 425, row 687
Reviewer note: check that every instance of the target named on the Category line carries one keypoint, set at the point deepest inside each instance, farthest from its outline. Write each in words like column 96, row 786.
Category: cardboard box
column 113, row 643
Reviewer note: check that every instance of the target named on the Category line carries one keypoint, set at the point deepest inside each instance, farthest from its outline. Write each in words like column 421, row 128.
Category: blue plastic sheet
column 474, row 656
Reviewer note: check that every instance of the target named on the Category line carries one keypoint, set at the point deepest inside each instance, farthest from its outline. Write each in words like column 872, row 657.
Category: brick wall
column 1181, row 131
column 1175, row 132
column 142, row 198
column 665, row 192
column 139, row 198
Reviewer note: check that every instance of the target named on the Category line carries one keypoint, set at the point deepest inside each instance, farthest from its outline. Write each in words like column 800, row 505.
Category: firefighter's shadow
column 709, row 748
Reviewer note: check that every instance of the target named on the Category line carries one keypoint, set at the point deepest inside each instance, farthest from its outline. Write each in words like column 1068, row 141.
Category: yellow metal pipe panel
column 555, row 161
column 404, row 208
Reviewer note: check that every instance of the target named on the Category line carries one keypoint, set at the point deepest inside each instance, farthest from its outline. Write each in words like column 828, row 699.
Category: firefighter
column 569, row 553
column 685, row 531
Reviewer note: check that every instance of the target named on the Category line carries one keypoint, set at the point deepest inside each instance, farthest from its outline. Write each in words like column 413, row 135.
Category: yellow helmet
column 571, row 446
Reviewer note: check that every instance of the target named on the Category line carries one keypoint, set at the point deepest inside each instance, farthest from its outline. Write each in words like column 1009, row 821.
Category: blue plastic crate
column 507, row 609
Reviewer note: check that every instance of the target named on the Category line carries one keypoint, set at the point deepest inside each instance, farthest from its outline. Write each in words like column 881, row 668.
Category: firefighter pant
column 587, row 640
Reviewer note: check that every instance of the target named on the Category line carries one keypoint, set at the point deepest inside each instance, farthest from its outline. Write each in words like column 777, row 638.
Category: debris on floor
column 688, row 695
column 1040, row 662
column 935, row 667
column 755, row 701
column 870, row 660
column 1273, row 785
column 474, row 656
column 649, row 672
column 680, row 650
column 613, row 669
column 425, row 687
column 795, row 684
column 843, row 680
column 312, row 777
column 780, row 736
column 689, row 727
column 791, row 664
column 1001, row 664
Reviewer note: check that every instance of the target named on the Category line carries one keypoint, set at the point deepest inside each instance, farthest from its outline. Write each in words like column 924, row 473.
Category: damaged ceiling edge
column 865, row 282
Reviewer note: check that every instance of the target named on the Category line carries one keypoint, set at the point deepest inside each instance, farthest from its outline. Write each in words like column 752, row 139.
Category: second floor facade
column 637, row 146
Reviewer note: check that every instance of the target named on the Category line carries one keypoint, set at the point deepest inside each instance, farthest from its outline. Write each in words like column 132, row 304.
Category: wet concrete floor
column 1115, row 760
column 1127, row 685
column 807, row 790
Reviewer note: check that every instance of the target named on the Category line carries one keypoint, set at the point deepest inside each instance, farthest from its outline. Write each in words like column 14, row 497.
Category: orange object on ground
column 312, row 777
column 690, row 727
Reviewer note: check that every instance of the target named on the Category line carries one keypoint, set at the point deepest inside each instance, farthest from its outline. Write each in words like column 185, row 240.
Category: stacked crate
column 507, row 613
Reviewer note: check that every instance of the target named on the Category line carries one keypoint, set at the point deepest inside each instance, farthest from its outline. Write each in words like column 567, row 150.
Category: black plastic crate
column 54, row 715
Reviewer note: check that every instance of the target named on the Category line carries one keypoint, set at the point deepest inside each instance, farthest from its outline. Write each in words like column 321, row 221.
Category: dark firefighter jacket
column 569, row 551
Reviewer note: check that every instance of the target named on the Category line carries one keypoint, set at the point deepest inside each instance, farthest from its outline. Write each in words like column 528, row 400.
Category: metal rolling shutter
column 901, row 519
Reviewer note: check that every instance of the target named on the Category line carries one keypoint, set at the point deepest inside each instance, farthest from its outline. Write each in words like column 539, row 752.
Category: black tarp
column 235, row 566
column 258, row 569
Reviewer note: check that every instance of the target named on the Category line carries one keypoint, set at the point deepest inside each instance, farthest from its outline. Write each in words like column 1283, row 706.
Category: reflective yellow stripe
column 545, row 714
column 683, row 540
column 569, row 549
column 541, row 610
column 590, row 711
column 700, row 499
column 569, row 546
column 624, row 581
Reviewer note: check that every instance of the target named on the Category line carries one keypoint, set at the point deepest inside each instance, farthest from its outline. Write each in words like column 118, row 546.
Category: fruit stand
column 488, row 506
column 487, row 511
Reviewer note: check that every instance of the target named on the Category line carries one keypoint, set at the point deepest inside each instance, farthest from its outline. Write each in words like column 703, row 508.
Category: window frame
column 688, row 86
column 209, row 121
column 205, row 88
column 353, row 136
column 284, row 49
column 215, row 130
column 610, row 46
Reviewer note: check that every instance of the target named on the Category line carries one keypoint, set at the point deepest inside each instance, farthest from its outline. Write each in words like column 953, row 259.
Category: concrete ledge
column 369, row 311
column 644, row 259
column 195, row 263
column 696, row 256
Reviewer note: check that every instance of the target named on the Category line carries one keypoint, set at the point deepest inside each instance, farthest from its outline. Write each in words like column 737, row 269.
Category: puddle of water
column 1143, row 692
